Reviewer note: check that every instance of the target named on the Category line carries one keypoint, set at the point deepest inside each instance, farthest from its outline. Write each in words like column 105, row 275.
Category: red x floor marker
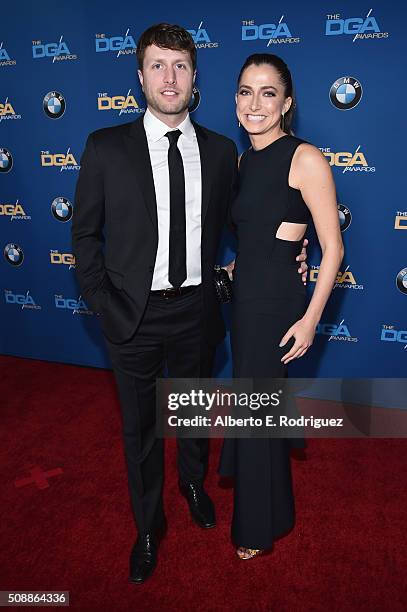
column 39, row 477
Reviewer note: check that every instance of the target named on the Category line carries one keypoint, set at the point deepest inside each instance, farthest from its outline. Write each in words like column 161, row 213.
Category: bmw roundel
column 401, row 280
column 62, row 209
column 195, row 100
column 6, row 160
column 54, row 105
column 345, row 217
column 13, row 254
column 346, row 93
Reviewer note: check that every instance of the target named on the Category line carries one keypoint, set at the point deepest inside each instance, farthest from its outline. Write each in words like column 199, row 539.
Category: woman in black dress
column 283, row 181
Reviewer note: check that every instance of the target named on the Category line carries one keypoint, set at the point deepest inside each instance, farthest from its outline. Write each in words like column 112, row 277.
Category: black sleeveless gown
column 269, row 297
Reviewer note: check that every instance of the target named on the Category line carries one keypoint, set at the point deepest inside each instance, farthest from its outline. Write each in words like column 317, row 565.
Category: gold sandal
column 248, row 553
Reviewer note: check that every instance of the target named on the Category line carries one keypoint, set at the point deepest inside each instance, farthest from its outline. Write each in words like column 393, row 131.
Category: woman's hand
column 229, row 269
column 303, row 331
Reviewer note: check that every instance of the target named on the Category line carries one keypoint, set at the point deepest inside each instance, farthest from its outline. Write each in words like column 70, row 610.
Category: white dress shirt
column 158, row 145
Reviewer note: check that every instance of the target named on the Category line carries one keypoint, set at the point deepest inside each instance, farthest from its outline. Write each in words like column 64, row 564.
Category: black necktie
column 177, row 269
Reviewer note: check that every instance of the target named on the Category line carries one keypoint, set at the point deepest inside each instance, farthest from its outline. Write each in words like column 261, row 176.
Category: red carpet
column 73, row 531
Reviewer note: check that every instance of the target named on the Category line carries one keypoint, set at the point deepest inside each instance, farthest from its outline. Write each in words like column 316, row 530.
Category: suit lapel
column 137, row 149
column 206, row 169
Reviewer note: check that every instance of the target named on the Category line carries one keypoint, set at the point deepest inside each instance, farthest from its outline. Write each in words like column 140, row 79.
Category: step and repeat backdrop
column 69, row 68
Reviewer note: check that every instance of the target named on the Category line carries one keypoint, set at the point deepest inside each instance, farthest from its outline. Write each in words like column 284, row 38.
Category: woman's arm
column 312, row 175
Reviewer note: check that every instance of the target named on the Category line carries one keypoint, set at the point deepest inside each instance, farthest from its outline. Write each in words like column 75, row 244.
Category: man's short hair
column 166, row 36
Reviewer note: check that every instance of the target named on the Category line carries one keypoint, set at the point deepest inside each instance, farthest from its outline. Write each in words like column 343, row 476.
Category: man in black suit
column 151, row 201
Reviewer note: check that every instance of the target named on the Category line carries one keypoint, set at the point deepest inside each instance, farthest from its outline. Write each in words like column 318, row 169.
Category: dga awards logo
column 63, row 161
column 72, row 305
column 276, row 33
column 401, row 281
column 344, row 280
column 359, row 28
column 59, row 51
column 348, row 161
column 120, row 45
column 62, row 209
column 5, row 59
column 54, row 105
column 202, row 39
column 123, row 104
column 389, row 333
column 6, row 160
column 13, row 254
column 346, row 93
column 14, row 212
column 64, row 259
column 345, row 217
column 336, row 332
column 7, row 111
column 20, row 299
column 400, row 221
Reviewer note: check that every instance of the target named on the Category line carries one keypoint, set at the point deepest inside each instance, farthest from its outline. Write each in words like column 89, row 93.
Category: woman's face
column 260, row 99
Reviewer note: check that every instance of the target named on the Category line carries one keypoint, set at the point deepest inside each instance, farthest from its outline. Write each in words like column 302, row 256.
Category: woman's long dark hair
column 257, row 59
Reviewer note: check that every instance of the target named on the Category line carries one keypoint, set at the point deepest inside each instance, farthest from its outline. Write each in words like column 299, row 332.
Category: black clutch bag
column 223, row 285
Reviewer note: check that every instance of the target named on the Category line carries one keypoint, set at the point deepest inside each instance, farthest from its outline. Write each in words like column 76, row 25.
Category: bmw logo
column 13, row 254
column 6, row 160
column 346, row 93
column 54, row 105
column 195, row 100
column 345, row 217
column 401, row 280
column 62, row 209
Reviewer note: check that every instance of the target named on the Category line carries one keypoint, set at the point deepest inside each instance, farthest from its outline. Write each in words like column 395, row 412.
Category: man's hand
column 302, row 257
column 230, row 267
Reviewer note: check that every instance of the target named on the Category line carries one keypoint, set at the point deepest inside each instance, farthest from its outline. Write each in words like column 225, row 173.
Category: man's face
column 167, row 79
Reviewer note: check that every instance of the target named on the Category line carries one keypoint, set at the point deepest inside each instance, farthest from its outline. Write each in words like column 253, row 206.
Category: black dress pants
column 170, row 336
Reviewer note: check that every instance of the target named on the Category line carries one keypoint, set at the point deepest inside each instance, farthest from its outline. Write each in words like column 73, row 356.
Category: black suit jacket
column 115, row 231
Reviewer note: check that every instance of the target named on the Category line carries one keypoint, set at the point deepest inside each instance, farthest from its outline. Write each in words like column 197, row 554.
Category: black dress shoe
column 143, row 557
column 200, row 504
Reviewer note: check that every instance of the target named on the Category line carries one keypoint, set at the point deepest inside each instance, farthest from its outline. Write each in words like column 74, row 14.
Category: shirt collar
column 156, row 129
